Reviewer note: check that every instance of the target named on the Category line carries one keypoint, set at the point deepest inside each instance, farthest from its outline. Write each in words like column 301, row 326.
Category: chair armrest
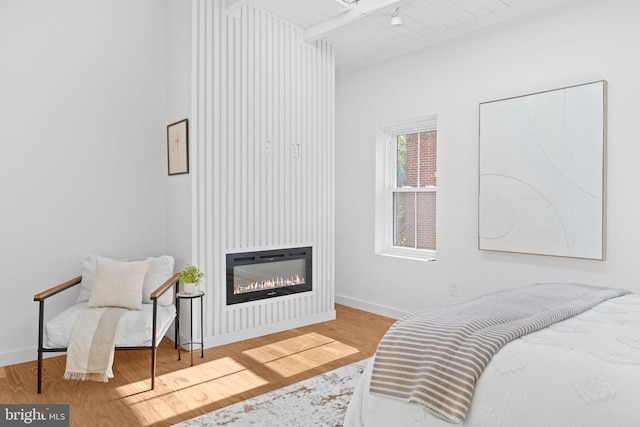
column 56, row 289
column 165, row 286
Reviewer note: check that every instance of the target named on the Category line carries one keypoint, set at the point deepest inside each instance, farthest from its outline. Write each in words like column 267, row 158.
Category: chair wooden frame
column 42, row 296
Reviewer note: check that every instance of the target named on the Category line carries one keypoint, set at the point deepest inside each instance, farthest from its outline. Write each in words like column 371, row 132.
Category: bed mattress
column 583, row 371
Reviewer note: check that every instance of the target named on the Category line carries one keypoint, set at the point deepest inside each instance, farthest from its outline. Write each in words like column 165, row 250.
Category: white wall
column 179, row 187
column 576, row 42
column 179, row 86
column 83, row 116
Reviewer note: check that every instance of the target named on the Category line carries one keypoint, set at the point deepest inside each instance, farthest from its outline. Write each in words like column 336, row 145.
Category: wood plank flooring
column 226, row 375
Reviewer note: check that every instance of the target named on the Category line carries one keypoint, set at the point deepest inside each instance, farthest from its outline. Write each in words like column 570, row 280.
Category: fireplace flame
column 274, row 283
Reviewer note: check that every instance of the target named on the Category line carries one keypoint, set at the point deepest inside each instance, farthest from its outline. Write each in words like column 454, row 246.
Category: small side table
column 185, row 296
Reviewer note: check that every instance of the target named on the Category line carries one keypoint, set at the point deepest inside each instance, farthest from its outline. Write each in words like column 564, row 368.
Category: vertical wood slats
column 258, row 90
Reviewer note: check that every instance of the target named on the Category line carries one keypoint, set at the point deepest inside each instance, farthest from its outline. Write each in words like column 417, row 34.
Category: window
column 406, row 189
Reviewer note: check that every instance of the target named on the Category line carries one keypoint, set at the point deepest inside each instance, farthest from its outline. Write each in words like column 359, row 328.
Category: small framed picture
column 178, row 147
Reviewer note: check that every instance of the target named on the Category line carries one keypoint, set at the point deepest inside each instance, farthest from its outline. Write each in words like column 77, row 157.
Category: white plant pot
column 190, row 288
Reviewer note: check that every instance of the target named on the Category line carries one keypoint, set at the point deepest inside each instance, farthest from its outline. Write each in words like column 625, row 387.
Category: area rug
column 319, row 401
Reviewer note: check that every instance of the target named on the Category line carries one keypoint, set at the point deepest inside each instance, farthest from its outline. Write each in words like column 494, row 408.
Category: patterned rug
column 320, row 401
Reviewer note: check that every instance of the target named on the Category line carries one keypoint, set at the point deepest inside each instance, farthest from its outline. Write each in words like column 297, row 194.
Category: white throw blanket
column 92, row 344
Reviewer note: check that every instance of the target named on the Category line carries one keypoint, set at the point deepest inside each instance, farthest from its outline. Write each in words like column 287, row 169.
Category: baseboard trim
column 23, row 356
column 382, row 310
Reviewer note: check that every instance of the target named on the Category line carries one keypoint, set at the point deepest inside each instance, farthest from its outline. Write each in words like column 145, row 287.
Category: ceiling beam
column 357, row 11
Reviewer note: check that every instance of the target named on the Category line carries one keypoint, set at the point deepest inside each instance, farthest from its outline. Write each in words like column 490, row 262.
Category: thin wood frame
column 178, row 147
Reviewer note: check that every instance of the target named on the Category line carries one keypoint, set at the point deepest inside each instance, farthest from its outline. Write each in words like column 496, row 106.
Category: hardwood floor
column 228, row 374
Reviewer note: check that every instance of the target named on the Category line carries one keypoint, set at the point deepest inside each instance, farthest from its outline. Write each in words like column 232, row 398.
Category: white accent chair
column 138, row 329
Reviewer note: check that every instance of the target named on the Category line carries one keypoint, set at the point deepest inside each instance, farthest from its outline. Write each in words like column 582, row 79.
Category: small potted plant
column 191, row 277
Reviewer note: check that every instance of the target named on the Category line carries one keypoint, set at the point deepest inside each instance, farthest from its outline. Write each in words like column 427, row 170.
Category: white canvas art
column 541, row 184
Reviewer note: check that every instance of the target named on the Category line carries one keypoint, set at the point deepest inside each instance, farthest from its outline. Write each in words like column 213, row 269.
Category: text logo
column 34, row 415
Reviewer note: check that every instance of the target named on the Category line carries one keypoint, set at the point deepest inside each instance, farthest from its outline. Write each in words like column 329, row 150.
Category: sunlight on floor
column 205, row 384
column 277, row 350
column 190, row 388
column 189, row 377
column 309, row 359
column 295, row 355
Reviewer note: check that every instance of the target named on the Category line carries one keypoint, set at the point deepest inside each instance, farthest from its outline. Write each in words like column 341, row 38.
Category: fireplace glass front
column 266, row 274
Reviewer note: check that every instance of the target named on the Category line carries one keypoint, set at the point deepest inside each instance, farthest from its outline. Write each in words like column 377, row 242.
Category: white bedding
column 583, row 371
column 134, row 329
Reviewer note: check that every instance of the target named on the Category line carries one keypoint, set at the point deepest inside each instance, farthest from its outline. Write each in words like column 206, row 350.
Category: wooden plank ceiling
column 361, row 31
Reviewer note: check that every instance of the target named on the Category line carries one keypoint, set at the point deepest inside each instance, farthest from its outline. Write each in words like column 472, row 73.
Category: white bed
column 583, row 371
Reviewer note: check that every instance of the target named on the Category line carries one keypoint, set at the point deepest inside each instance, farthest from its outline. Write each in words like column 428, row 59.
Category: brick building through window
column 414, row 193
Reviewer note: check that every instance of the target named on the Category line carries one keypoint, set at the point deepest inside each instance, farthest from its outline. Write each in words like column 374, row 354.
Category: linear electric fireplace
column 266, row 274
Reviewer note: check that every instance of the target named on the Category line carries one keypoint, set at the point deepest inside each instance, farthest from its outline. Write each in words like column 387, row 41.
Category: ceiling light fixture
column 350, row 2
column 396, row 19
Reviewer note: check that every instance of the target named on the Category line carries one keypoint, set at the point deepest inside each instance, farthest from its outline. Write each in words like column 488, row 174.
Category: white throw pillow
column 160, row 270
column 88, row 276
column 118, row 283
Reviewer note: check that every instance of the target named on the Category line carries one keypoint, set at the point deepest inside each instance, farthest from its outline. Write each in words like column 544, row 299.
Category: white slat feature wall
column 263, row 157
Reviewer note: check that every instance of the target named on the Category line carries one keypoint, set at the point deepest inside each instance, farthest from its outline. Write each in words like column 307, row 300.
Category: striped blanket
column 434, row 357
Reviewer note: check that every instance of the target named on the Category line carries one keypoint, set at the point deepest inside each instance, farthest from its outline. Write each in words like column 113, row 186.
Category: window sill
column 406, row 253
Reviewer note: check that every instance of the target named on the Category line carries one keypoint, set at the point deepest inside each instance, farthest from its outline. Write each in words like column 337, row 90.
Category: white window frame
column 386, row 164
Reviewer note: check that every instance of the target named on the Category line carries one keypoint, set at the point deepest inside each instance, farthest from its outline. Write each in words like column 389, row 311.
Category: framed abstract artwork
column 542, row 173
column 178, row 147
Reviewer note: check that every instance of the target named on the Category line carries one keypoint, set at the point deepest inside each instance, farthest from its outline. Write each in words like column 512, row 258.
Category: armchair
column 138, row 330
